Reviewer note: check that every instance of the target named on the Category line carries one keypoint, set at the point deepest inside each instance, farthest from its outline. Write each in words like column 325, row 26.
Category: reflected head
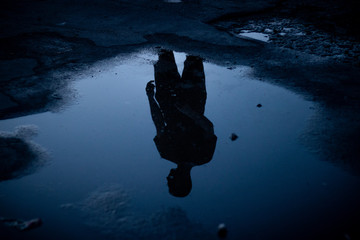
column 179, row 182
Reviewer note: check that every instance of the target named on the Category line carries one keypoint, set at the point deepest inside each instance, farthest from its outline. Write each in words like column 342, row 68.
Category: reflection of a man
column 184, row 135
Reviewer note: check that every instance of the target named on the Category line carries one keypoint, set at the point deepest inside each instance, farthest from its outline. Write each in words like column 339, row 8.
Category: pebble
column 222, row 230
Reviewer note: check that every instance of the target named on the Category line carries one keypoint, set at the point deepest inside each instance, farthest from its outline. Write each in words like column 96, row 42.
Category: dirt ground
column 312, row 49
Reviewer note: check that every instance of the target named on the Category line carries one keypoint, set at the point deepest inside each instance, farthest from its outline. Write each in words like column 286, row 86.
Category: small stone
column 31, row 224
column 233, row 137
column 222, row 230
column 56, row 96
column 61, row 24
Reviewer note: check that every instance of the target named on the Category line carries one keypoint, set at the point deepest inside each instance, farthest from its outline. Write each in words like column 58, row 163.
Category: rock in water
column 222, row 230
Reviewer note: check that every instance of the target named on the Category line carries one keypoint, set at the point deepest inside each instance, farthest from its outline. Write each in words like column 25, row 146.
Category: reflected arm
column 156, row 114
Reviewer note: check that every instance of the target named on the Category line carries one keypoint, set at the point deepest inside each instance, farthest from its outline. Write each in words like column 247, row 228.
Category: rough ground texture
column 324, row 28
column 109, row 210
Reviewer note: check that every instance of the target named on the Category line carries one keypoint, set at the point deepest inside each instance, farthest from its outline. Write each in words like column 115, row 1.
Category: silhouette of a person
column 184, row 135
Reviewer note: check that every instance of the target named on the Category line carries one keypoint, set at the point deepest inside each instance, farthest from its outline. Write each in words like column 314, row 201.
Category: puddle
column 262, row 185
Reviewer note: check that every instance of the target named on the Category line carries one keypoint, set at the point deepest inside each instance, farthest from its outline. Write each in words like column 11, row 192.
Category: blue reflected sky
column 265, row 183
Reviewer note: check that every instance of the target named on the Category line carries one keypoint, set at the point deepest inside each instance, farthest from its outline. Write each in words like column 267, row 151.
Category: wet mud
column 19, row 156
column 322, row 28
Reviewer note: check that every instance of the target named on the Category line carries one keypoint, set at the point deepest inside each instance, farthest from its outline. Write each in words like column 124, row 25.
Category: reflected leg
column 193, row 90
column 166, row 79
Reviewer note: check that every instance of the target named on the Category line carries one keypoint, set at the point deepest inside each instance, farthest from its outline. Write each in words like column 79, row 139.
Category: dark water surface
column 105, row 176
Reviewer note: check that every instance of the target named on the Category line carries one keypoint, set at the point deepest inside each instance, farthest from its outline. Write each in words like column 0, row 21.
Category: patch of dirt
column 19, row 156
column 294, row 34
column 321, row 28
